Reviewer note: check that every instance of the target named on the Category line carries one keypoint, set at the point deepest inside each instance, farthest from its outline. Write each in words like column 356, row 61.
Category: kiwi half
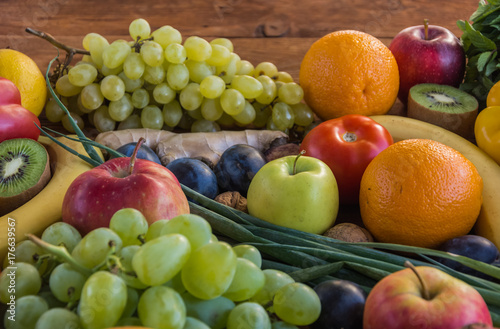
column 444, row 106
column 24, row 171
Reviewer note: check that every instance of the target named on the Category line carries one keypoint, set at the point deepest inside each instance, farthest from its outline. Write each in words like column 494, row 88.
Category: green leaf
column 478, row 39
column 483, row 60
column 483, row 11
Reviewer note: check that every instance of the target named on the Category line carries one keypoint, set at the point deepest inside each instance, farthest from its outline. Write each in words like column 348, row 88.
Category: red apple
column 94, row 196
column 9, row 94
column 427, row 54
column 430, row 299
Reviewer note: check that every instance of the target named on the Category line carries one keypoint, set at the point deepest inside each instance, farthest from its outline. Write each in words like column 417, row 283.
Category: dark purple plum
column 237, row 166
column 471, row 246
column 342, row 305
column 145, row 152
column 196, row 175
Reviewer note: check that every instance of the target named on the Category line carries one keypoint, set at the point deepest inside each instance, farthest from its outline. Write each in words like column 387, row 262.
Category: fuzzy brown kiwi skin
column 459, row 123
column 8, row 204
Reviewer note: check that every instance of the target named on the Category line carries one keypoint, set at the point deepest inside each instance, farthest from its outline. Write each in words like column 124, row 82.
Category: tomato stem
column 349, row 137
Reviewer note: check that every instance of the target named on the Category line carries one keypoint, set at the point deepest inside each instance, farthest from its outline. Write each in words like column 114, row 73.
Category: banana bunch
column 488, row 222
column 46, row 207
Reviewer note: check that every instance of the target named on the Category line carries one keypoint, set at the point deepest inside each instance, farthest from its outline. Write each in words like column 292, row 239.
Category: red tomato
column 347, row 145
column 17, row 122
column 9, row 94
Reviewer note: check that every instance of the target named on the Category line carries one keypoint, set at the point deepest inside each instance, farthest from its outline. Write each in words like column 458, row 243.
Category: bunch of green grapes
column 170, row 274
column 158, row 80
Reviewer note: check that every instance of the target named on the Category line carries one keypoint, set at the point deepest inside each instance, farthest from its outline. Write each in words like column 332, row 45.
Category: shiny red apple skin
column 95, row 195
column 396, row 302
column 438, row 59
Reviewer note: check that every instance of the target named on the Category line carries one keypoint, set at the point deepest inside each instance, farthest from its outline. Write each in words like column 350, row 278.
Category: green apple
column 298, row 192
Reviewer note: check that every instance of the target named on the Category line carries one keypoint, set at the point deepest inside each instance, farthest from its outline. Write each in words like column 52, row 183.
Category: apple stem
column 294, row 170
column 133, row 157
column 425, row 291
column 426, row 29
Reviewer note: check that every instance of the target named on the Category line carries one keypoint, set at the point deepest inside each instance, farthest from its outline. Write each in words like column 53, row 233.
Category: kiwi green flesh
column 443, row 98
column 24, row 171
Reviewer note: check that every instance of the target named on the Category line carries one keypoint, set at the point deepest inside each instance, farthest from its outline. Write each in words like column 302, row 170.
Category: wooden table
column 261, row 30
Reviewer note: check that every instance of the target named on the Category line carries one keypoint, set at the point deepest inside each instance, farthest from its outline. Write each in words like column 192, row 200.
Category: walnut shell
column 233, row 199
column 349, row 232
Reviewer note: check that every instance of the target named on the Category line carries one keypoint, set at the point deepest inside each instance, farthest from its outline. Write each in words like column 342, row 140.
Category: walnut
column 349, row 232
column 233, row 199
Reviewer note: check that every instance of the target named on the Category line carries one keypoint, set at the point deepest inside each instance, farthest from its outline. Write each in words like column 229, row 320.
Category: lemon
column 24, row 72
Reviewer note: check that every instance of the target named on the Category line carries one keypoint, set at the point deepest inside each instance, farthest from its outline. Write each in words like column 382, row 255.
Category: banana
column 488, row 222
column 46, row 207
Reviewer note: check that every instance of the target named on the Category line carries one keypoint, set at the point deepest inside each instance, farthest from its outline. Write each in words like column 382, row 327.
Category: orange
column 349, row 72
column 420, row 192
column 25, row 74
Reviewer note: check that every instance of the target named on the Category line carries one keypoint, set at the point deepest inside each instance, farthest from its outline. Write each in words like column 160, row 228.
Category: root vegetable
column 115, row 139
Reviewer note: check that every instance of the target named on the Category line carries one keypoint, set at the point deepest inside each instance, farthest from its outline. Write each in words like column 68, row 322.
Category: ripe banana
column 488, row 222
column 46, row 207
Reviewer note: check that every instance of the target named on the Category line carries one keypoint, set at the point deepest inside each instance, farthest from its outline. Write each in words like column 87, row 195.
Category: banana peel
column 45, row 208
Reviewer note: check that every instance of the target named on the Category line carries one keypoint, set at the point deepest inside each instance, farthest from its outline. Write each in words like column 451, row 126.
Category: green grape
column 226, row 120
column 139, row 28
column 172, row 113
column 269, row 90
column 195, row 114
column 213, row 238
column 132, row 122
column 247, row 116
column 18, row 280
column 114, row 55
column 283, row 116
column 186, row 120
column 223, row 42
column 131, row 305
column 107, row 71
column 175, row 53
column 247, row 85
column 49, row 297
column 193, row 323
column 303, row 114
column 62, row 234
column 247, row 280
column 112, row 87
column 177, row 76
column 176, row 283
column 163, row 94
column 134, row 66
column 195, row 228
column 232, row 101
column 94, row 247
column 25, row 313
column 197, row 48
column 154, row 266
column 266, row 68
column 213, row 312
column 102, row 120
column 290, row 93
column 66, row 283
column 129, row 224
column 212, row 86
column 87, row 38
column 262, row 114
column 228, row 71
column 152, row 117
column 91, row 96
column 58, row 317
column 140, row 98
column 154, row 74
column 284, row 77
column 248, row 315
column 246, row 68
column 166, row 35
column 104, row 297
column 220, row 55
column 82, row 75
column 210, row 270
column 65, row 88
column 283, row 325
column 130, row 321
column 126, row 255
column 161, row 307
column 297, row 304
column 154, row 229
column 121, row 109
column 26, row 251
column 206, row 126
column 270, row 125
column 97, row 44
column 275, row 279
column 198, row 70
column 190, row 97
column 66, row 121
column 249, row 252
column 152, row 53
column 53, row 112
column 131, row 85
column 211, row 109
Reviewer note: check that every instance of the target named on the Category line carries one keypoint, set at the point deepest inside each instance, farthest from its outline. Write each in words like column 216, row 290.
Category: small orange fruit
column 420, row 192
column 349, row 72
